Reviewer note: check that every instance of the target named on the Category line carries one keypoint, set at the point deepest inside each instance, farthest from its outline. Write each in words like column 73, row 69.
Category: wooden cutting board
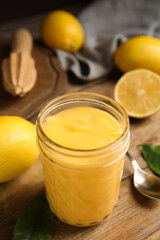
column 51, row 81
column 135, row 217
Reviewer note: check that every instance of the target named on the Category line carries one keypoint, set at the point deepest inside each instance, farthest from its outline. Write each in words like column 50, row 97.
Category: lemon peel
column 62, row 30
column 18, row 149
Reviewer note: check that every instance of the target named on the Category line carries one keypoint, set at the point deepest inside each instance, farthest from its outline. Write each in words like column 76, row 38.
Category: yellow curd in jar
column 82, row 190
column 82, row 128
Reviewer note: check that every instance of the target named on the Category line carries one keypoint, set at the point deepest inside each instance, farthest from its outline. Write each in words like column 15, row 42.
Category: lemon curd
column 83, row 170
column 82, row 128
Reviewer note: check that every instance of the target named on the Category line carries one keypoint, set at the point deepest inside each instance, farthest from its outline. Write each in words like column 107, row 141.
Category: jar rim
column 74, row 152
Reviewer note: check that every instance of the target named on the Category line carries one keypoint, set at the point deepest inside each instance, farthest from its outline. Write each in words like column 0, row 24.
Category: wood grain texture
column 50, row 82
column 135, row 217
column 14, row 196
column 154, row 236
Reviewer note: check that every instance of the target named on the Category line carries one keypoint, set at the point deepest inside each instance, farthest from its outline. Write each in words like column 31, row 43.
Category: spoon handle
column 134, row 162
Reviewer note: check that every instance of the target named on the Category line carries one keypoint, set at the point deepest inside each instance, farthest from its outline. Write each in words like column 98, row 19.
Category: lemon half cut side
column 138, row 91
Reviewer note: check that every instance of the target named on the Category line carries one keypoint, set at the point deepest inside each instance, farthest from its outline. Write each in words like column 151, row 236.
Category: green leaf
column 36, row 221
column 151, row 154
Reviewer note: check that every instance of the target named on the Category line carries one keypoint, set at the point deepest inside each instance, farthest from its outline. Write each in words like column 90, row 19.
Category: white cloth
column 108, row 23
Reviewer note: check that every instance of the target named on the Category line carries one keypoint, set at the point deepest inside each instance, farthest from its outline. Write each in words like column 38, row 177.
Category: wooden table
column 135, row 217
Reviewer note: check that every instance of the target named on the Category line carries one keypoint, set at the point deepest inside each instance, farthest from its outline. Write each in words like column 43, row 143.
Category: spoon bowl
column 147, row 184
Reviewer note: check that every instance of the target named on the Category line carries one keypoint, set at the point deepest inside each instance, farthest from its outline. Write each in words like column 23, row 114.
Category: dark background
column 11, row 9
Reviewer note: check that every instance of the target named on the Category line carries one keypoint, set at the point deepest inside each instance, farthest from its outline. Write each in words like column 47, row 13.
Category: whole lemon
column 62, row 30
column 139, row 52
column 18, row 149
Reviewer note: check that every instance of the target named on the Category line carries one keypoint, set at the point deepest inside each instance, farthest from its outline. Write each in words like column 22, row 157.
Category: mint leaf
column 151, row 154
column 36, row 221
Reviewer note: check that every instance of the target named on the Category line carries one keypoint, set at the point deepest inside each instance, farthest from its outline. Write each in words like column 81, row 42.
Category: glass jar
column 82, row 186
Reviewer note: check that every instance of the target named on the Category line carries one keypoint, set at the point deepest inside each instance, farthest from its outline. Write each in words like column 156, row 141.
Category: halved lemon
column 138, row 91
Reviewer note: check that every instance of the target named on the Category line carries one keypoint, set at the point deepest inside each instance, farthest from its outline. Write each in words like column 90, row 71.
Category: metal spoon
column 147, row 184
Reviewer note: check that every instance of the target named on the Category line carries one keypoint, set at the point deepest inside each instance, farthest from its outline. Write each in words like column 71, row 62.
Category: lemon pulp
column 138, row 91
